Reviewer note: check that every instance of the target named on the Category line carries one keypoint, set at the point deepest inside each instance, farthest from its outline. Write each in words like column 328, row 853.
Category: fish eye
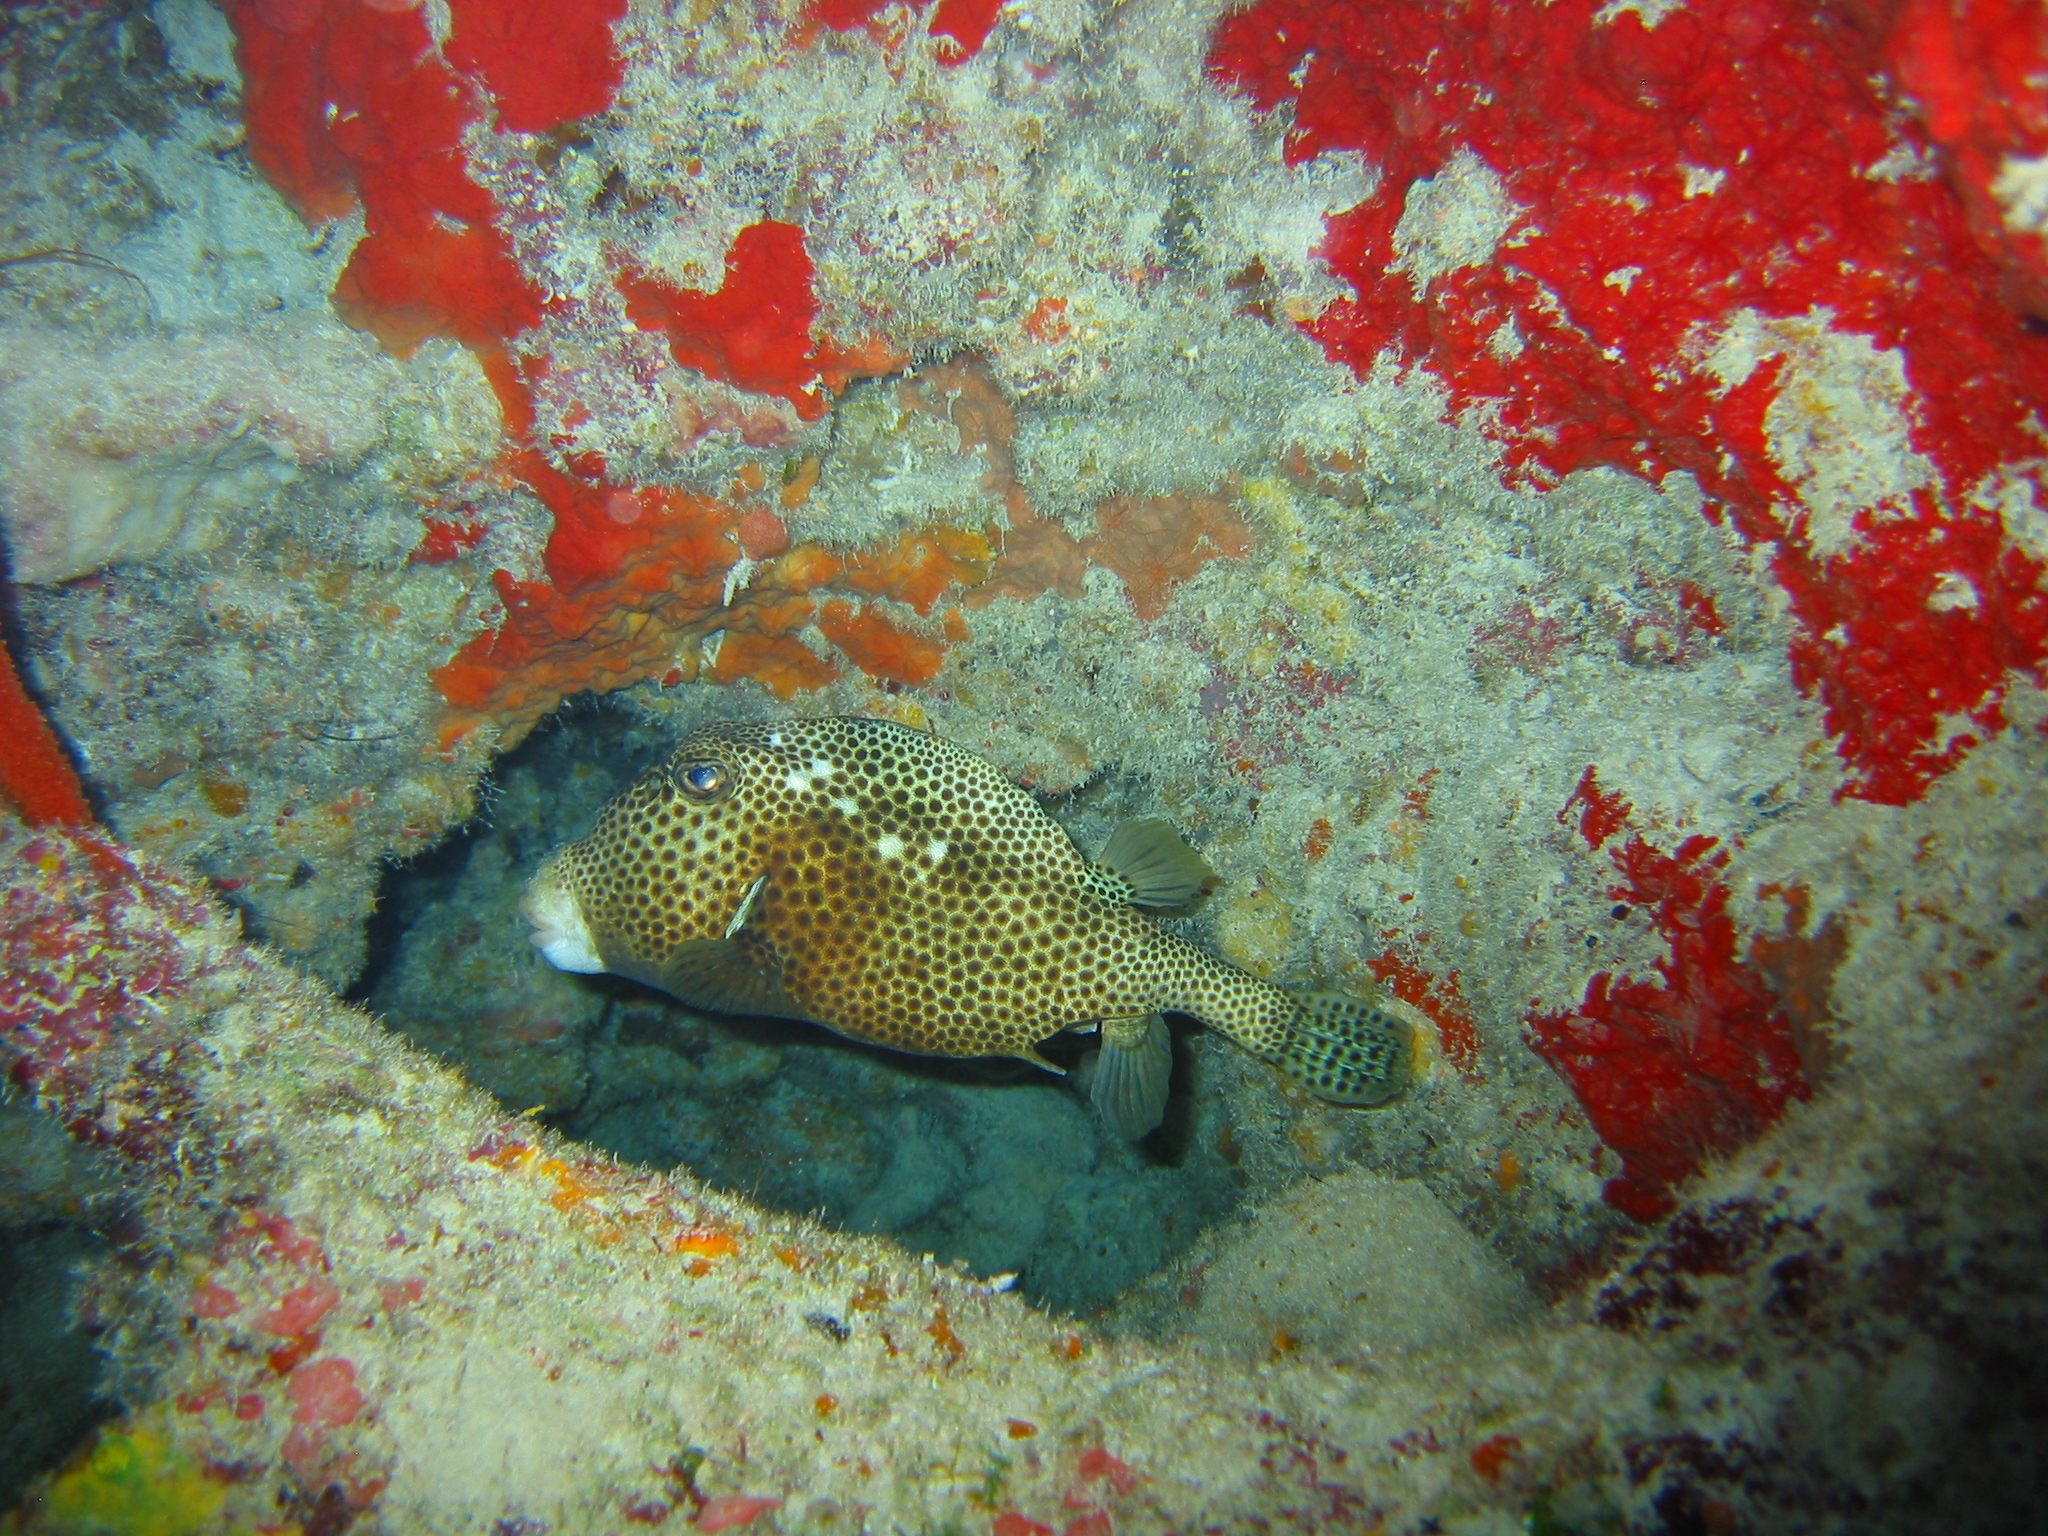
column 702, row 781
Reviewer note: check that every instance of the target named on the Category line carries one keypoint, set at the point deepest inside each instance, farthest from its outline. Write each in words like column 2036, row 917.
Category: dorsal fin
column 1159, row 869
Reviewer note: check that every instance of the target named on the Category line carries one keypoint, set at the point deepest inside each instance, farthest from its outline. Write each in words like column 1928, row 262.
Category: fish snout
column 559, row 929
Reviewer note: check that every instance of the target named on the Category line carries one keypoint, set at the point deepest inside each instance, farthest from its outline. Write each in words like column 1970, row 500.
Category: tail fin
column 1346, row 1050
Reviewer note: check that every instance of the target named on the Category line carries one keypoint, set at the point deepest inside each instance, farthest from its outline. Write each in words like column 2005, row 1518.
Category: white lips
column 559, row 931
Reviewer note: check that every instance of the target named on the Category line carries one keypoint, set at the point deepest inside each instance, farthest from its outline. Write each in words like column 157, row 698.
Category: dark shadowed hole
column 990, row 1162
column 54, row 1209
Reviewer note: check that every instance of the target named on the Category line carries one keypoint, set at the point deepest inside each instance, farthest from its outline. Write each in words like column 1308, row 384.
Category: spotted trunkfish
column 901, row 890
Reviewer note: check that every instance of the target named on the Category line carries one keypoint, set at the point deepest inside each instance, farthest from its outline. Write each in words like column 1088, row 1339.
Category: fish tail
column 1345, row 1049
column 1342, row 1048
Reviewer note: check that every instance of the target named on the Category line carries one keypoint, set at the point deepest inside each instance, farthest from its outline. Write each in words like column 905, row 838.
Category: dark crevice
column 992, row 1162
column 49, row 1373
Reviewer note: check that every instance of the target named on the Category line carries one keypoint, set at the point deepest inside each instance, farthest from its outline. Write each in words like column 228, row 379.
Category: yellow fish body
column 900, row 890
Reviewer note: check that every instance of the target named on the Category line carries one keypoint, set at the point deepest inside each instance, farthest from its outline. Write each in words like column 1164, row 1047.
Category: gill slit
column 739, row 918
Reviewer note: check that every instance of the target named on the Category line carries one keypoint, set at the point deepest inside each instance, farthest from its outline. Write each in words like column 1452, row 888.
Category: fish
column 903, row 891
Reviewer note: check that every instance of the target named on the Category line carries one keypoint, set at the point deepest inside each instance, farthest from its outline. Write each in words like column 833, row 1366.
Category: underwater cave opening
column 994, row 1164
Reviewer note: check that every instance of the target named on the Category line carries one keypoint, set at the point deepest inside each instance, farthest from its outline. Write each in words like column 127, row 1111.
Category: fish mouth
column 559, row 929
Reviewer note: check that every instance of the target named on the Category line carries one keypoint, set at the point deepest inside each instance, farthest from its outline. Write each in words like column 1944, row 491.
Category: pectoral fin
column 1132, row 1075
column 1160, row 870
column 723, row 976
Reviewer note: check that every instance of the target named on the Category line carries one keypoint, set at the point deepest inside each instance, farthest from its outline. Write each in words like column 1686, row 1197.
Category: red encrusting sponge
column 964, row 24
column 755, row 330
column 36, row 776
column 1666, row 179
column 1693, row 1065
column 1978, row 72
column 547, row 62
column 347, row 102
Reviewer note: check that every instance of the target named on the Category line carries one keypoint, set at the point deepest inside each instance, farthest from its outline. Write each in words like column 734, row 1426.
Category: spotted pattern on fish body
column 901, row 890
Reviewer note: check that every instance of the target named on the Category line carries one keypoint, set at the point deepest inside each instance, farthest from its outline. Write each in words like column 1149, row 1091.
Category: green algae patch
column 131, row 1482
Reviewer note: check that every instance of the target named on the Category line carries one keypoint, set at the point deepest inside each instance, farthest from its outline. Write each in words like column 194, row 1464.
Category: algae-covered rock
column 1354, row 1267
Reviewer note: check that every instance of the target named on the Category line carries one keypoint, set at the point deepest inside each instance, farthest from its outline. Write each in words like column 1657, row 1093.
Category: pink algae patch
column 730, row 1509
column 304, row 1450
column 299, row 1311
column 1096, row 1464
column 394, row 1294
column 214, row 1300
column 324, row 1392
column 1010, row 1523
column 283, row 1242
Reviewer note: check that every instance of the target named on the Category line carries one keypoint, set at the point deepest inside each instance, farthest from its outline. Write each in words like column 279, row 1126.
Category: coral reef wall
column 1548, row 496
column 358, row 1295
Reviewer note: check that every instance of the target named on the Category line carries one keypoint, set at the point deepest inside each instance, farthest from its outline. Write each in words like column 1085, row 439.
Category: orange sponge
column 919, row 567
column 879, row 648
column 782, row 665
column 1155, row 543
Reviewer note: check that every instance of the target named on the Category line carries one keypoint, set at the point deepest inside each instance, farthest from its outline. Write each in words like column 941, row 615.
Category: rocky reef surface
column 1546, row 497
column 352, row 1288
